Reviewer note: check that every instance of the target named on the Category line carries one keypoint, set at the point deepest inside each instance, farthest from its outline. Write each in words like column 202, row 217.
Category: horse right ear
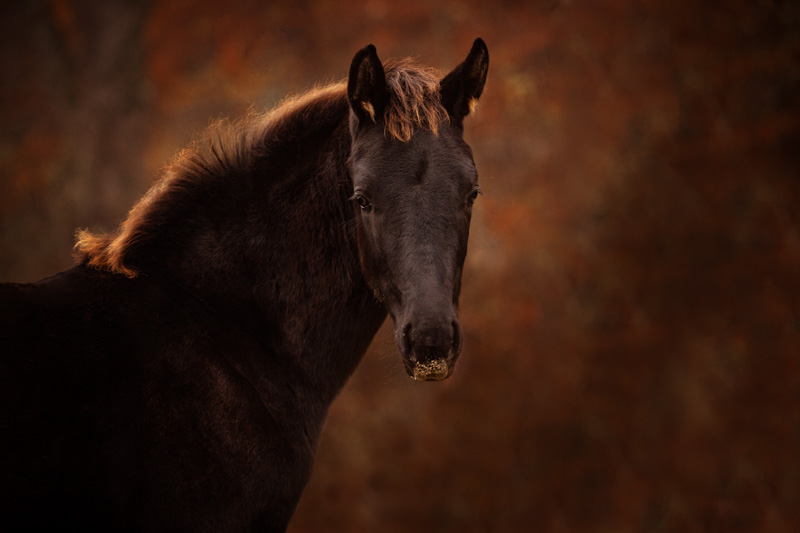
column 366, row 86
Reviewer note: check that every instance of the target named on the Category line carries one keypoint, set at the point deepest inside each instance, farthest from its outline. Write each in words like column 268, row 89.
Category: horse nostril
column 456, row 338
column 406, row 340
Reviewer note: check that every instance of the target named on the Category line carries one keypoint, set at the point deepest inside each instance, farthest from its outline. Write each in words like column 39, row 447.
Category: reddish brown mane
column 231, row 147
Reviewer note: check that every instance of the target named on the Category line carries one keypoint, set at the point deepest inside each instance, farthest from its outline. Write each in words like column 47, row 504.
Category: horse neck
column 284, row 266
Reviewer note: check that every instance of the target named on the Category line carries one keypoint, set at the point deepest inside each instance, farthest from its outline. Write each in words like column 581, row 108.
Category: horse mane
column 232, row 147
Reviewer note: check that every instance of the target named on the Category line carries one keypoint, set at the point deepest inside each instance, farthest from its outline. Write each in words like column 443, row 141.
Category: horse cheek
column 368, row 258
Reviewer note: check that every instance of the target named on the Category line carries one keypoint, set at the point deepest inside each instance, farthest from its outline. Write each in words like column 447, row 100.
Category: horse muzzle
column 430, row 349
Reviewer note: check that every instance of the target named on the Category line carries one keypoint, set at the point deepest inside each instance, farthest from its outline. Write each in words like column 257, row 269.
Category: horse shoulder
column 130, row 392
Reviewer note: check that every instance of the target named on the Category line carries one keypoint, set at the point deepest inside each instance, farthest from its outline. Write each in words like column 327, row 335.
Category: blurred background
column 631, row 298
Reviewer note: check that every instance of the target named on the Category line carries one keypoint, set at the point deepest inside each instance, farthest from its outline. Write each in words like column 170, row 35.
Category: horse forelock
column 414, row 99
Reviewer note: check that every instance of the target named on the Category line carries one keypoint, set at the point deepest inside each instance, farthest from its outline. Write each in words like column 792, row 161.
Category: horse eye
column 473, row 196
column 362, row 202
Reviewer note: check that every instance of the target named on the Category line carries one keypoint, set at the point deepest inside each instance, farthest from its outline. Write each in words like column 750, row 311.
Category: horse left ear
column 366, row 86
column 461, row 88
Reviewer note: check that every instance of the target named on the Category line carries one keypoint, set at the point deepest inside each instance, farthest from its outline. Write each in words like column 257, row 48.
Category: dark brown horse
column 178, row 377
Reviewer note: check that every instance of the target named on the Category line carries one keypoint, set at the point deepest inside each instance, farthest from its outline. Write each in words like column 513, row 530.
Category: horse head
column 414, row 185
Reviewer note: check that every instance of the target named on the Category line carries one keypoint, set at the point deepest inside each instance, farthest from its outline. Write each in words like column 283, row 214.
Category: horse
column 178, row 375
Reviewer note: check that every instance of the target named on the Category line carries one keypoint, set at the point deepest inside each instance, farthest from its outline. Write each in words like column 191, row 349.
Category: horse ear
column 461, row 88
column 366, row 86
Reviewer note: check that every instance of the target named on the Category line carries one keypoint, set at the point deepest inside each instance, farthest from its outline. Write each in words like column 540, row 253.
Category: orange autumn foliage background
column 631, row 296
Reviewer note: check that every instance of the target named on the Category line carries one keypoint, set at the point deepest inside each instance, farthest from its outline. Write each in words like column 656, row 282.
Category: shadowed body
column 178, row 377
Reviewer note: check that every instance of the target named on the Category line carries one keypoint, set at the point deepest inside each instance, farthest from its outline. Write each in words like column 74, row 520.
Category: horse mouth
column 434, row 370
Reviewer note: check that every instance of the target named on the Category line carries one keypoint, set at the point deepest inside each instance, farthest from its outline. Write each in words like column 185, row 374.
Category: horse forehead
column 429, row 156
column 440, row 162
column 425, row 172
